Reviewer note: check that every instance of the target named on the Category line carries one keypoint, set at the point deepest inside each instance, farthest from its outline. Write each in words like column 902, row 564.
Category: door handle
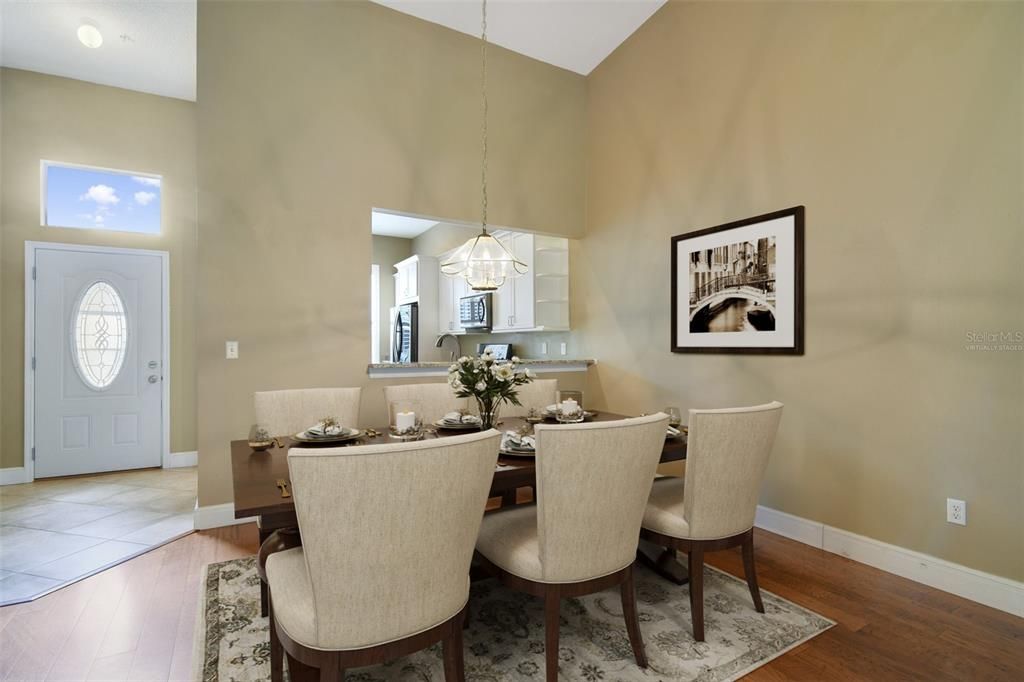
column 153, row 378
column 152, row 364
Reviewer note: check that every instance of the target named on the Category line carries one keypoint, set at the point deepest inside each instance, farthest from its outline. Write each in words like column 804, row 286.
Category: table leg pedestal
column 662, row 561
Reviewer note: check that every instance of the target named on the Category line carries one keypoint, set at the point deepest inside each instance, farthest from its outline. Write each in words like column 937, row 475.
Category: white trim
column 985, row 588
column 14, row 475
column 217, row 515
column 30, row 327
column 792, row 527
column 176, row 460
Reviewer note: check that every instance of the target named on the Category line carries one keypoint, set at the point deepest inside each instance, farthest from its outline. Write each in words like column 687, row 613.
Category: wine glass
column 675, row 416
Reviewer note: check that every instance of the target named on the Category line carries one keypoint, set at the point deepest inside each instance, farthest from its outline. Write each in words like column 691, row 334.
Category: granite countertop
column 523, row 361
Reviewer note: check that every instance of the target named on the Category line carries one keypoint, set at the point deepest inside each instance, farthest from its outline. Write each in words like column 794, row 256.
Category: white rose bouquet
column 490, row 382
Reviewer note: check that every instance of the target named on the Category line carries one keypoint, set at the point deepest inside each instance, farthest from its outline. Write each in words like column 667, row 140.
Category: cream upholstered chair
column 581, row 537
column 375, row 580
column 713, row 507
column 286, row 412
column 539, row 393
column 436, row 400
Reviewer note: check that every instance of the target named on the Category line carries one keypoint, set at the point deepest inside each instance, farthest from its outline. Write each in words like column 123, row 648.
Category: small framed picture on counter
column 739, row 287
column 500, row 351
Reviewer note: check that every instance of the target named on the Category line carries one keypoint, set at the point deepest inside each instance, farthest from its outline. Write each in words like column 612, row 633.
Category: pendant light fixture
column 483, row 261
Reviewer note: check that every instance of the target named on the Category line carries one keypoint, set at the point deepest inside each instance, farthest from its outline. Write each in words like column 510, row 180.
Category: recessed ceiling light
column 90, row 36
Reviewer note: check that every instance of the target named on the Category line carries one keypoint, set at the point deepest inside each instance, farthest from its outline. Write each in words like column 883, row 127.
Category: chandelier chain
column 483, row 84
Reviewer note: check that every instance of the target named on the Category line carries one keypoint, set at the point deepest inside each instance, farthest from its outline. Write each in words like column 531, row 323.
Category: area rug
column 505, row 640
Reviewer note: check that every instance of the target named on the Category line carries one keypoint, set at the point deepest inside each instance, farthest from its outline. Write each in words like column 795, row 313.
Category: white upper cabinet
column 538, row 300
column 450, row 291
column 407, row 280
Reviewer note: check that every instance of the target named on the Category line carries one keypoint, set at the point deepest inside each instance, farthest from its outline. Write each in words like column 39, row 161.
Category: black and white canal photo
column 738, row 287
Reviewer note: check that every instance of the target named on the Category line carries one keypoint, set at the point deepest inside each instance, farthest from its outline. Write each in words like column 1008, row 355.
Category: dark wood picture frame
column 797, row 213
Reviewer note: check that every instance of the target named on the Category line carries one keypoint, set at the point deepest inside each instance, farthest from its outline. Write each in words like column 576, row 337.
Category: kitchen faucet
column 458, row 346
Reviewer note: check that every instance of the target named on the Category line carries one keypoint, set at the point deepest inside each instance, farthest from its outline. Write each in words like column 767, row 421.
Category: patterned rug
column 505, row 641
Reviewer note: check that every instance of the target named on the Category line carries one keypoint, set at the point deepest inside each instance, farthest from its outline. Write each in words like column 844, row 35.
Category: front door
column 98, row 346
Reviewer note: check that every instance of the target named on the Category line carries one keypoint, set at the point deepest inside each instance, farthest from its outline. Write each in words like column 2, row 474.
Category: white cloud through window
column 103, row 195
column 143, row 198
column 152, row 182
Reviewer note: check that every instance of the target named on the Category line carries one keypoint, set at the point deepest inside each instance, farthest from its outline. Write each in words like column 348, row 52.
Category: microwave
column 475, row 312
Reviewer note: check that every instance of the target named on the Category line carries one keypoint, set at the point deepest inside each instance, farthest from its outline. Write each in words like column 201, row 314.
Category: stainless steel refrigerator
column 405, row 333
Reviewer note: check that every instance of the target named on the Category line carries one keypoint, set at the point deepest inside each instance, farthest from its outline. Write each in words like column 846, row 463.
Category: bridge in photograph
column 760, row 290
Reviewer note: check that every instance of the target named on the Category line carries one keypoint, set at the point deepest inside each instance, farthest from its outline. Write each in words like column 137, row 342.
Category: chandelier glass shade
column 484, row 262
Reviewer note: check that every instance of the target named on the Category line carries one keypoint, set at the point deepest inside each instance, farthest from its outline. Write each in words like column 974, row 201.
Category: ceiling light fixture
column 90, row 36
column 483, row 261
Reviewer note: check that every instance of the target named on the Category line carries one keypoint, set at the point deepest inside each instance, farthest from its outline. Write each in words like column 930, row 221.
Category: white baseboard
column 14, row 475
column 793, row 527
column 991, row 590
column 176, row 460
column 217, row 515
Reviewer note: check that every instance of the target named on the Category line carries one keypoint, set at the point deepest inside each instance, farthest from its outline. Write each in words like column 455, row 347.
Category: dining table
column 262, row 488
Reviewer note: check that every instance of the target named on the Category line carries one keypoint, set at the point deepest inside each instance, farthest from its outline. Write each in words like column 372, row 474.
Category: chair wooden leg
column 331, row 670
column 552, row 606
column 276, row 650
column 454, row 663
column 300, row 672
column 696, row 570
column 629, row 613
column 750, row 572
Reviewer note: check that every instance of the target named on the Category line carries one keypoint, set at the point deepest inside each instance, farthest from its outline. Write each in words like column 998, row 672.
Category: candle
column 405, row 421
column 570, row 406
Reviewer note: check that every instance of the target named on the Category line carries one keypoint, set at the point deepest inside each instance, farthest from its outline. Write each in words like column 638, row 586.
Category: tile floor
column 55, row 531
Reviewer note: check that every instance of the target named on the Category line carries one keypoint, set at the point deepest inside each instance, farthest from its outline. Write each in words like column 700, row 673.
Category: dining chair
column 580, row 537
column 713, row 507
column 538, row 394
column 375, row 580
column 284, row 413
column 436, row 400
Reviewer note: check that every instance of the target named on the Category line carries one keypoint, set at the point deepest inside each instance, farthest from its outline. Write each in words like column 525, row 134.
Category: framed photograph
column 739, row 287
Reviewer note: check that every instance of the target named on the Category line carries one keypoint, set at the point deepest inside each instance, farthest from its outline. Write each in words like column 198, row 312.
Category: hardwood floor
column 135, row 621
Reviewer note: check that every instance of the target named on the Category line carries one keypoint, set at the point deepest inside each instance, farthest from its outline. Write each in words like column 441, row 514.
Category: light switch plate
column 543, row 347
column 231, row 350
column 563, row 348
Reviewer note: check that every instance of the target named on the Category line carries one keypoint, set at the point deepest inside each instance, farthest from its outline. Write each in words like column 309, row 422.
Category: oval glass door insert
column 99, row 335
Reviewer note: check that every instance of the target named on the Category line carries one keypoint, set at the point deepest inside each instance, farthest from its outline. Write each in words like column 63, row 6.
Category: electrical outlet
column 543, row 347
column 563, row 348
column 956, row 511
column 231, row 350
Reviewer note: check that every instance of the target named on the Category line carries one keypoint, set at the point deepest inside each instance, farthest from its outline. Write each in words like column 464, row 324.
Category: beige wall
column 46, row 117
column 386, row 252
column 310, row 114
column 899, row 126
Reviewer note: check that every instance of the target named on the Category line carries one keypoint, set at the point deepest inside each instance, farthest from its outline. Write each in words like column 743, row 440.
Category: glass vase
column 488, row 413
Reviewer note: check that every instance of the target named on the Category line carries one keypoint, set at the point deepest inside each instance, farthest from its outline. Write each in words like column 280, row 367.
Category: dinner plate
column 509, row 452
column 457, row 426
column 349, row 434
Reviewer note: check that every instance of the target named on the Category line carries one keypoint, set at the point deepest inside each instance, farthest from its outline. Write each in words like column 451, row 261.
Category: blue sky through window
column 102, row 200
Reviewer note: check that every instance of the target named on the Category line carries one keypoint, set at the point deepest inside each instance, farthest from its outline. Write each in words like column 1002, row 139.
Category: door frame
column 31, row 248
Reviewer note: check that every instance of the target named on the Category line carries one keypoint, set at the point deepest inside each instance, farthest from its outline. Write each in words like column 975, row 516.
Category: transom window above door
column 99, row 198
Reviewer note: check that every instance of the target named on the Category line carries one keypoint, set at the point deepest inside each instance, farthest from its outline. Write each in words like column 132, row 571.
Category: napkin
column 459, row 418
column 672, row 431
column 319, row 431
column 515, row 441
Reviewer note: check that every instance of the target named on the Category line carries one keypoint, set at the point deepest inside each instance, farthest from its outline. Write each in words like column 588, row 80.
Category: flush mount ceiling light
column 90, row 36
column 483, row 261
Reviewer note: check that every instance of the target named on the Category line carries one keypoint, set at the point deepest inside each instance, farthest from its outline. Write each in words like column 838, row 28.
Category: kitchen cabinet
column 407, row 280
column 449, row 292
column 538, row 300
